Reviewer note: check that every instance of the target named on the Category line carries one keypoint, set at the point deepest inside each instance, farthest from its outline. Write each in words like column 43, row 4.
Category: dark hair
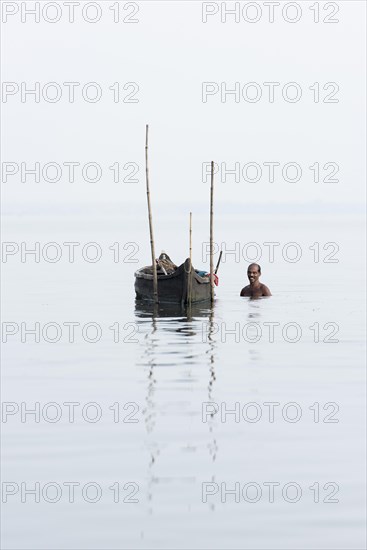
column 257, row 265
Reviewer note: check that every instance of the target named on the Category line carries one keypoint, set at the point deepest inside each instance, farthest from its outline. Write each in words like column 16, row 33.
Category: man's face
column 253, row 273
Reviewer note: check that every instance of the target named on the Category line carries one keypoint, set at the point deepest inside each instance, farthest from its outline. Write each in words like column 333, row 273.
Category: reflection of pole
column 211, row 234
column 213, row 446
column 155, row 279
column 189, row 289
column 212, row 352
column 149, row 411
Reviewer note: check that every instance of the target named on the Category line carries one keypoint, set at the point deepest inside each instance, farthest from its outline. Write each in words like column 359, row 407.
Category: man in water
column 255, row 289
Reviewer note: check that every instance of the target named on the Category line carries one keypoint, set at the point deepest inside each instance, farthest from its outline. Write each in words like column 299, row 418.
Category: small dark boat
column 173, row 287
column 163, row 282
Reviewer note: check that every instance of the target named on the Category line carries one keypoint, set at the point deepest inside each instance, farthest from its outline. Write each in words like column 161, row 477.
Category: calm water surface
column 155, row 384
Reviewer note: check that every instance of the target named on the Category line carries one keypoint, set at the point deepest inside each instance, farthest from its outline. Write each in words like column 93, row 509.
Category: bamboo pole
column 190, row 239
column 211, row 233
column 189, row 289
column 154, row 265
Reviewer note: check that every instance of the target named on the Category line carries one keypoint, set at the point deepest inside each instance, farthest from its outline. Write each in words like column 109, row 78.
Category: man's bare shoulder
column 245, row 291
column 265, row 290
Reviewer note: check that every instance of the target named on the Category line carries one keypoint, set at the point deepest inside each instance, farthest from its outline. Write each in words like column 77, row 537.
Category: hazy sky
column 169, row 53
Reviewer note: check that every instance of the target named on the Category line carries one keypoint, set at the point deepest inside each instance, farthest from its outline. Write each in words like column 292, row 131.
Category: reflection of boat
column 145, row 309
column 173, row 288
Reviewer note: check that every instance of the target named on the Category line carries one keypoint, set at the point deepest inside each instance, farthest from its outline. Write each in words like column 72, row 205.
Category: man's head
column 253, row 272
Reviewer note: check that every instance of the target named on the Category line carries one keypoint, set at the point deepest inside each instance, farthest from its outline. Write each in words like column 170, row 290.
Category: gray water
column 170, row 369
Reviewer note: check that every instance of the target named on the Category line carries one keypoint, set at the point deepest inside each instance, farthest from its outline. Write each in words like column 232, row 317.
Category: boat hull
column 174, row 288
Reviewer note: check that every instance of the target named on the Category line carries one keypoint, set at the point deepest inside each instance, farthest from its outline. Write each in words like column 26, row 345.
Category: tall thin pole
column 155, row 279
column 189, row 289
column 190, row 239
column 211, row 233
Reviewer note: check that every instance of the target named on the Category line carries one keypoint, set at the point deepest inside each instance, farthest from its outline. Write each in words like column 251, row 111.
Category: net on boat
column 165, row 265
